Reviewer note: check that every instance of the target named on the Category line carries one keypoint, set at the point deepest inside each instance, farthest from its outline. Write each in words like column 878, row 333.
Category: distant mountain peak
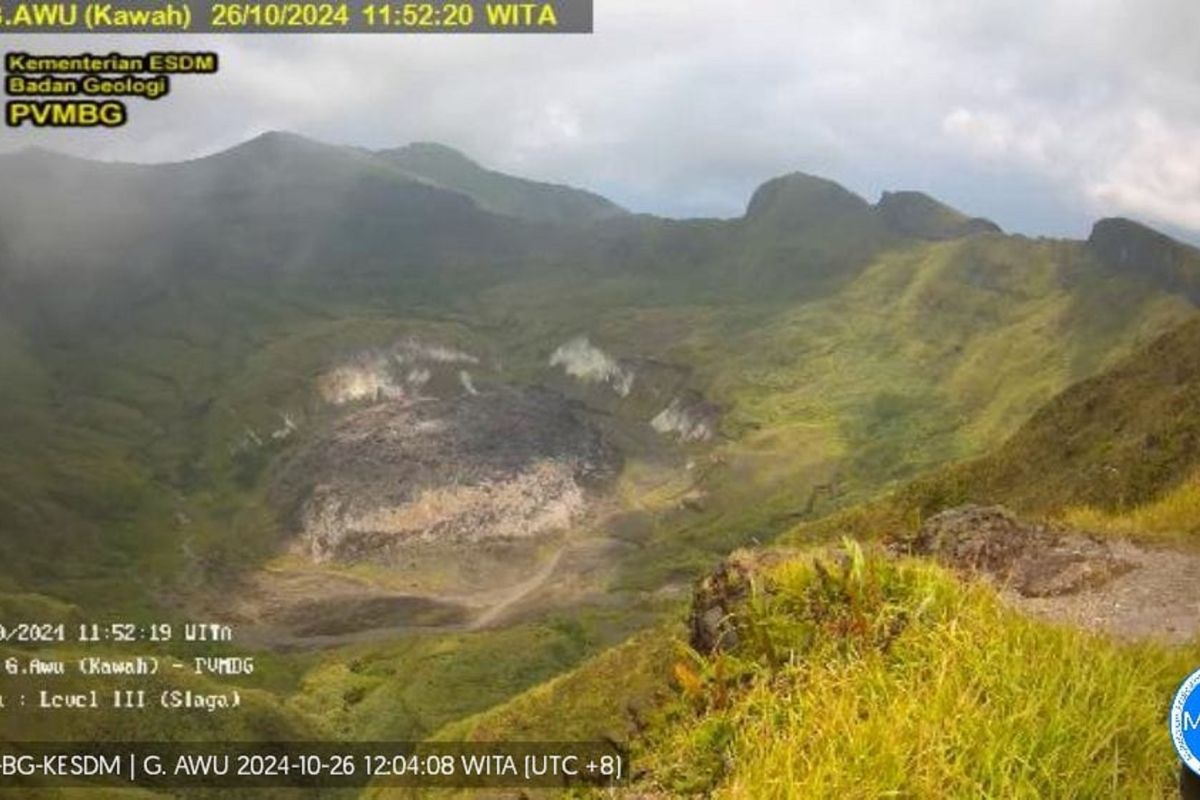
column 36, row 151
column 276, row 155
column 803, row 199
column 917, row 214
column 278, row 142
column 431, row 150
column 1122, row 230
column 1128, row 246
column 800, row 198
column 42, row 154
column 495, row 191
column 277, row 136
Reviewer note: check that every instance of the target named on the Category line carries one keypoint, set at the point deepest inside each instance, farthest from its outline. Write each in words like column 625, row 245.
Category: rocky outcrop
column 1033, row 559
column 801, row 200
column 1127, row 246
column 718, row 597
column 715, row 599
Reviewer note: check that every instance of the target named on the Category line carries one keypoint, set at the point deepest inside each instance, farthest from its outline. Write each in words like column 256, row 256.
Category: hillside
column 854, row 674
column 1115, row 441
column 1127, row 246
column 918, row 214
column 495, row 191
column 1120, row 444
column 819, row 671
column 190, row 371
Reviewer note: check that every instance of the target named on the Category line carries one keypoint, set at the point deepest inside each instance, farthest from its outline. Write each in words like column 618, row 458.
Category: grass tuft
column 880, row 678
column 1174, row 516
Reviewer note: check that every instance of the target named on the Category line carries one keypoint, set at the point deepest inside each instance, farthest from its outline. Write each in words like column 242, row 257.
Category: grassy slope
column 1114, row 446
column 933, row 352
column 1118, row 439
column 1174, row 515
column 842, row 355
column 581, row 705
column 939, row 350
column 410, row 688
column 895, row 678
column 875, row 679
column 496, row 191
column 170, row 400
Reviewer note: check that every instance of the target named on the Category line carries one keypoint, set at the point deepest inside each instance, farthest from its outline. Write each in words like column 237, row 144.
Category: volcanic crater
column 499, row 466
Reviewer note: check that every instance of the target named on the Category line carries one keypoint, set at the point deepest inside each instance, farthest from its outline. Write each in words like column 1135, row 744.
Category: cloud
column 1041, row 115
column 1157, row 174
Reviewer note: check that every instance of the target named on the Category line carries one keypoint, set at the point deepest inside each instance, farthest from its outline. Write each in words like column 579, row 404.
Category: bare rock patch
column 1032, row 559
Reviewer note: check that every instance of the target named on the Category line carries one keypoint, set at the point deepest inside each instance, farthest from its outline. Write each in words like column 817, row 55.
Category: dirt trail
column 1129, row 590
column 292, row 611
column 1156, row 599
column 518, row 593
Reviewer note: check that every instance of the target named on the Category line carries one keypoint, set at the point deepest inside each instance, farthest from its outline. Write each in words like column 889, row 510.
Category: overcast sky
column 1041, row 115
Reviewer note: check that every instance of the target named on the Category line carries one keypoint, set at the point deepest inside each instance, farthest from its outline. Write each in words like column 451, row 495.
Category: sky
column 1042, row 116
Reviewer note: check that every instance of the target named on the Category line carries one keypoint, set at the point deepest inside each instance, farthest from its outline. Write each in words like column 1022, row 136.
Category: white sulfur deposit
column 390, row 374
column 585, row 362
column 414, row 351
column 369, row 378
column 418, row 377
column 679, row 420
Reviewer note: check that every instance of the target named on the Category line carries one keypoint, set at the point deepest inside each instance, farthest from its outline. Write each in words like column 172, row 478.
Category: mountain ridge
column 810, row 198
column 925, row 217
column 497, row 191
column 1122, row 442
column 1128, row 245
column 169, row 334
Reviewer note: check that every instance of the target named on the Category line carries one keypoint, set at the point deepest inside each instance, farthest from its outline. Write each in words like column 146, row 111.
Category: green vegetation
column 856, row 674
column 1111, row 450
column 496, row 191
column 884, row 678
column 410, row 688
column 847, row 355
column 1174, row 516
column 606, row 698
column 848, row 347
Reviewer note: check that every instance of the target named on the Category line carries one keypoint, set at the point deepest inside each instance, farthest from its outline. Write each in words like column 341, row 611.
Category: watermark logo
column 1185, row 722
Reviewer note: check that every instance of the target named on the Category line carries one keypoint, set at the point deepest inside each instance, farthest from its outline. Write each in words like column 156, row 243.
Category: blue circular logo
column 1185, row 721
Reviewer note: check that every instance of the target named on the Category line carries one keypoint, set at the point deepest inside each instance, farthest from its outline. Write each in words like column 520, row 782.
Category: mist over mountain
column 282, row 204
column 443, row 166
column 280, row 385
